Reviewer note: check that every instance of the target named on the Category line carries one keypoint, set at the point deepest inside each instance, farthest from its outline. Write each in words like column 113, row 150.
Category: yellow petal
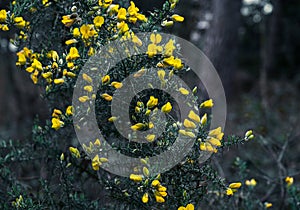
column 136, row 178
column 177, row 18
column 138, row 126
column 203, row 119
column 116, row 85
column 107, row 97
column 183, row 91
column 87, row 78
column 145, row 198
column 88, row 88
column 193, row 116
column 214, row 141
column 105, row 79
column 145, row 171
column 190, row 207
column 150, row 137
column 166, row 108
column 229, row 191
column 83, row 99
column 215, row 132
column 189, row 124
column 207, row 104
column 155, row 183
column 235, row 185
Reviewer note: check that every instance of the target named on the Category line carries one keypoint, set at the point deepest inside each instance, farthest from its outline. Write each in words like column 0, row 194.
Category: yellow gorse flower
column 268, row 205
column 133, row 13
column 97, row 162
column 136, row 178
column 232, row 188
column 188, row 207
column 207, row 104
column 69, row 20
column 153, row 48
column 76, row 32
column 177, row 18
column 122, row 14
column 235, row 185
column 18, row 202
column 183, row 91
column 169, row 48
column 251, row 182
column 71, row 41
column 112, row 119
column 105, row 3
column 229, row 191
column 189, row 124
column 69, row 110
column 161, row 74
column 105, row 79
column 73, row 54
column 249, row 135
column 87, row 78
column 160, row 193
column 36, row 65
column 98, row 21
column 172, row 61
column 56, row 123
column 3, row 15
column 289, row 180
column 88, row 88
column 123, row 27
column 167, row 23
column 107, row 97
column 59, row 81
column 193, row 116
column 19, row 22
column 138, row 126
column 166, row 108
column 152, row 102
column 117, row 85
column 56, row 113
column 145, row 198
column 75, row 152
column 83, row 99
column 203, row 119
column 87, row 31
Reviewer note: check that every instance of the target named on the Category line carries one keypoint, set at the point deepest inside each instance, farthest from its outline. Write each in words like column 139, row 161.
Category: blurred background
column 254, row 46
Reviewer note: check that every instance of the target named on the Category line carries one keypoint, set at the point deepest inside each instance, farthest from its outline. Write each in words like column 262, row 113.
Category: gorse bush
column 56, row 40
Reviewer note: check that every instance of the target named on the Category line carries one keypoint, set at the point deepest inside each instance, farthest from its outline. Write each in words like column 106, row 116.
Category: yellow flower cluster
column 3, row 17
column 20, row 22
column 92, row 148
column 56, row 121
column 97, row 162
column 232, row 188
column 160, row 191
column 249, row 135
column 19, row 202
column 213, row 140
column 57, row 117
column 153, row 47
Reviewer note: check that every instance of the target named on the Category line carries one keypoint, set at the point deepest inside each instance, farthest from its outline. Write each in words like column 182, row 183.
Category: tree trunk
column 20, row 99
column 221, row 44
column 269, row 30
